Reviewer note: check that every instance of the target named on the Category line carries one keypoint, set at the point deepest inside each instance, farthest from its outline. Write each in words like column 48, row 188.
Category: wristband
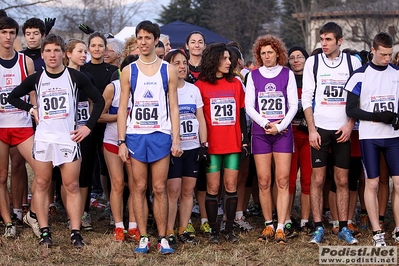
column 32, row 109
column 120, row 142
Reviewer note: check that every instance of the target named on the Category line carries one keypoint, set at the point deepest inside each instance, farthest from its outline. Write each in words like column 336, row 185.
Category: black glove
column 49, row 22
column 386, row 117
column 202, row 155
column 395, row 123
column 86, row 29
column 245, row 152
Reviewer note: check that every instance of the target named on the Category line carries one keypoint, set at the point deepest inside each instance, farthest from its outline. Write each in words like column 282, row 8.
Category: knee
column 173, row 193
column 72, row 187
column 140, row 187
column 117, row 186
column 41, row 184
column 342, row 182
column 264, row 183
column 230, row 186
column 212, row 189
column 282, row 183
column 187, row 193
column 159, row 188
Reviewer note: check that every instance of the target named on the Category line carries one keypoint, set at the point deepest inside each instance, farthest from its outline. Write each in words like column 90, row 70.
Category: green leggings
column 230, row 161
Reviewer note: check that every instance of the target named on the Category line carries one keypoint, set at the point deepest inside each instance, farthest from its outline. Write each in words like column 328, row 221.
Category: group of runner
column 173, row 120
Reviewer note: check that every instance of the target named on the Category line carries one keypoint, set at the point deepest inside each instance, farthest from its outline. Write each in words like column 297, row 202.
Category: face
column 297, row 61
column 146, row 42
column 97, row 48
column 381, row 56
column 196, row 44
column 224, row 65
column 166, row 43
column 160, row 51
column 7, row 38
column 180, row 62
column 268, row 56
column 78, row 55
column 33, row 38
column 111, row 57
column 52, row 56
column 329, row 44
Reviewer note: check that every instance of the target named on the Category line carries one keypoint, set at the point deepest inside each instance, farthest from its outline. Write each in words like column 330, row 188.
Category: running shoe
column 119, row 234
column 190, row 229
column 242, row 224
column 335, row 231
column 77, row 240
column 144, row 245
column 45, row 239
column 196, row 210
column 307, row 229
column 346, row 235
column 327, row 218
column 86, row 222
column 230, row 236
column 290, row 231
column 172, row 241
column 15, row 220
column 364, row 221
column 205, row 228
column 10, row 231
column 382, row 225
column 133, row 234
column 52, row 210
column 222, row 226
column 187, row 239
column 214, row 238
column 164, row 248
column 33, row 223
column 267, row 234
column 318, row 235
column 220, row 210
column 255, row 210
column 111, row 220
column 395, row 236
column 280, row 237
column 354, row 231
column 379, row 240
column 25, row 209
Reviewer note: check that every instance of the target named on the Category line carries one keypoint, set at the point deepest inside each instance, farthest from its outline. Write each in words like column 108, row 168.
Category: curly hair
column 130, row 45
column 276, row 44
column 211, row 58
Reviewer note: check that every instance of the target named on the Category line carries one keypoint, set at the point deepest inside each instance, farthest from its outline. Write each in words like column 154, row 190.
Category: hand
column 176, row 150
column 79, row 134
column 202, row 155
column 314, row 139
column 35, row 115
column 345, row 132
column 385, row 117
column 245, row 152
column 123, row 153
column 49, row 22
column 395, row 123
column 271, row 128
column 86, row 29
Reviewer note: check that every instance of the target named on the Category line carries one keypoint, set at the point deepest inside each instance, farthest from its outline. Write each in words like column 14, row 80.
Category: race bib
column 83, row 113
column 146, row 114
column 5, row 107
column 223, row 111
column 381, row 103
column 333, row 95
column 55, row 103
column 188, row 127
column 271, row 104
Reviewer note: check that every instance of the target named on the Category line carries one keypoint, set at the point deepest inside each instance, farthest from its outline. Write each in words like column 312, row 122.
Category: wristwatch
column 119, row 142
column 31, row 109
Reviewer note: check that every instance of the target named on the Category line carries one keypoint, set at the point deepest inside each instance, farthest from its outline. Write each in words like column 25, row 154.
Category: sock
column 280, row 226
column 377, row 232
column 204, row 220
column 132, row 225
column 230, row 203
column 75, row 232
column 288, row 222
column 211, row 206
column 32, row 215
column 170, row 232
column 363, row 211
column 239, row 215
column 381, row 218
column 25, row 205
column 51, row 205
column 269, row 223
column 119, row 225
column 18, row 213
column 349, row 221
column 335, row 224
column 189, row 221
column 45, row 230
column 317, row 224
column 303, row 222
column 181, row 230
column 342, row 224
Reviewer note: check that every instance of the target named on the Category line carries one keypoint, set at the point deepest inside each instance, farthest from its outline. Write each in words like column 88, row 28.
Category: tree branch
column 27, row 4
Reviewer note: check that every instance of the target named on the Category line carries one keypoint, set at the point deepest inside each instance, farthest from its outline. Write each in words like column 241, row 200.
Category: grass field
column 102, row 250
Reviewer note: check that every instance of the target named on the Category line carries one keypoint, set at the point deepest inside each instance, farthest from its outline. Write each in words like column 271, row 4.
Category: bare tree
column 21, row 10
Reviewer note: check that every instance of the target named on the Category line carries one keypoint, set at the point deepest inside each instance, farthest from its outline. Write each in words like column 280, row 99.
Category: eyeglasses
column 299, row 57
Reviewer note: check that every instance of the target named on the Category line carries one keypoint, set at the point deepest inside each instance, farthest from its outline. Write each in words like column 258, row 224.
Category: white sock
column 303, row 222
column 335, row 224
column 288, row 222
column 204, row 220
column 239, row 215
column 269, row 223
column 189, row 221
column 132, row 225
column 51, row 205
column 280, row 226
column 18, row 213
column 119, row 225
column 349, row 221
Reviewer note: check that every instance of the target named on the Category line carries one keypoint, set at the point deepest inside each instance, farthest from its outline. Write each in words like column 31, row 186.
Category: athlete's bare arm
column 174, row 111
column 122, row 113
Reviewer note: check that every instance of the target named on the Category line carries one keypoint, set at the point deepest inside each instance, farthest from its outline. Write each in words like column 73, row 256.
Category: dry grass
column 102, row 250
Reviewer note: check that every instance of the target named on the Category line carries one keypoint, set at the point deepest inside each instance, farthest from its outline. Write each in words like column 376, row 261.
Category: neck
column 74, row 66
column 151, row 58
column 298, row 72
column 180, row 83
column 97, row 61
column 333, row 54
column 7, row 54
column 30, row 48
column 55, row 70
column 195, row 60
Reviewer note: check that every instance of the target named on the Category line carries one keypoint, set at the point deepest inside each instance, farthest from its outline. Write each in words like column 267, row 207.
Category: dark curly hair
column 211, row 57
column 276, row 44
